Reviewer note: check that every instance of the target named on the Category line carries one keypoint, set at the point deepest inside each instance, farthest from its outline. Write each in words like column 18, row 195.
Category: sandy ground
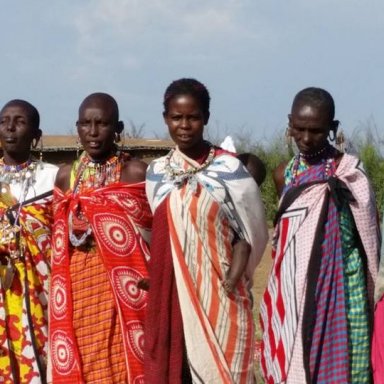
column 260, row 280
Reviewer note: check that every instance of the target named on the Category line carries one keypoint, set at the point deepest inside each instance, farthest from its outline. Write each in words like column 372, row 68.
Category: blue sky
column 253, row 55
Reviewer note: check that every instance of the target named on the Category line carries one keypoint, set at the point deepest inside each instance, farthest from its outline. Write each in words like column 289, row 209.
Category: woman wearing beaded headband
column 25, row 222
column 206, row 242
column 102, row 220
column 315, row 312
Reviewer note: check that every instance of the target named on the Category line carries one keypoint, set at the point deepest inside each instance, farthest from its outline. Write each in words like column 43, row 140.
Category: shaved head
column 101, row 100
column 315, row 97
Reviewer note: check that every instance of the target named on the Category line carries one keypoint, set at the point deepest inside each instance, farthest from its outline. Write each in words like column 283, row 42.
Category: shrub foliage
column 367, row 145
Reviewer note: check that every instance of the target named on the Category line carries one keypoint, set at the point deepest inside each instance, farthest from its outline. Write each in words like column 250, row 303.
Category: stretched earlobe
column 206, row 118
column 335, row 125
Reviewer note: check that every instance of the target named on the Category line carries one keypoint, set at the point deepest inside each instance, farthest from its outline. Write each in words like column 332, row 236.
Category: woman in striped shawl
column 207, row 216
column 316, row 310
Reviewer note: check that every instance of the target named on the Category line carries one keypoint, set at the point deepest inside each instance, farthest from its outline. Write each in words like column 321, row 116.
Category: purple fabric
column 328, row 360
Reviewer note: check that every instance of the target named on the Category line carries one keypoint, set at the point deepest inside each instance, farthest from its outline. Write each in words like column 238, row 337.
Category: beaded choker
column 315, row 154
column 185, row 173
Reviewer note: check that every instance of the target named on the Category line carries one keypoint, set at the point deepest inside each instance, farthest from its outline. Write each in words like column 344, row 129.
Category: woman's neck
column 198, row 152
column 14, row 160
column 320, row 155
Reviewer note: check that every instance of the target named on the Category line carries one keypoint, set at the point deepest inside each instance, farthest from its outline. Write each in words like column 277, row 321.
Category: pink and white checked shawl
column 282, row 307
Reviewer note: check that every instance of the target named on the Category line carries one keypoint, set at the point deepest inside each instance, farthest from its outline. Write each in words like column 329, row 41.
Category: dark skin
column 186, row 120
column 18, row 128
column 309, row 126
column 241, row 252
column 97, row 127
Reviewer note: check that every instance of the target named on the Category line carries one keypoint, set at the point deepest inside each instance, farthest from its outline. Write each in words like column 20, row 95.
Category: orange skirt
column 95, row 320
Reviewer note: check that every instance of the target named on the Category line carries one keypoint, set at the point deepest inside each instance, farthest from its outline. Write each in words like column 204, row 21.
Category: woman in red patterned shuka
column 100, row 253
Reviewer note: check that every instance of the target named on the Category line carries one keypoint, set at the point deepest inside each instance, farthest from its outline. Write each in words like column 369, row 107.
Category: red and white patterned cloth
column 120, row 219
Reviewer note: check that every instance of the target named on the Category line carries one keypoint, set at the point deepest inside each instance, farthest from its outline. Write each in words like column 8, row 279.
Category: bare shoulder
column 133, row 171
column 278, row 177
column 63, row 177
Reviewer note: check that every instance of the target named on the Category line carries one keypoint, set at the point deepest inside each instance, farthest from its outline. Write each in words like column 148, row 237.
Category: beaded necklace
column 302, row 162
column 20, row 173
column 178, row 172
column 23, row 174
column 91, row 175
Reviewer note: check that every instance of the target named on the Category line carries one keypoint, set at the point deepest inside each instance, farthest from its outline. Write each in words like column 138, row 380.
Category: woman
column 102, row 219
column 199, row 321
column 316, row 309
column 25, row 224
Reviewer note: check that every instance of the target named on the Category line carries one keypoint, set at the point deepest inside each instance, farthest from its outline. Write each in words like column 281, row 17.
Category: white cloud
column 171, row 23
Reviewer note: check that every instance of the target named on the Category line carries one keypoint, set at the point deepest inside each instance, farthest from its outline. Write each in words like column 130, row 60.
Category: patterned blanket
column 23, row 306
column 120, row 220
column 307, row 277
column 204, row 213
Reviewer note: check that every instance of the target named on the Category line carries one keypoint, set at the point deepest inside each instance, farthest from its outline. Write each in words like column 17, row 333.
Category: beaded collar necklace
column 93, row 174
column 23, row 174
column 13, row 174
column 185, row 173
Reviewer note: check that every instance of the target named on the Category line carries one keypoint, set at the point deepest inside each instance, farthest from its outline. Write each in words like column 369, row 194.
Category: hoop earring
column 330, row 137
column 117, row 137
column 34, row 143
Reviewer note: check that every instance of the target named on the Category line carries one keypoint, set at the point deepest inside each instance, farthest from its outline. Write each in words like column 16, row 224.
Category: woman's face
column 309, row 126
column 185, row 121
column 16, row 133
column 96, row 128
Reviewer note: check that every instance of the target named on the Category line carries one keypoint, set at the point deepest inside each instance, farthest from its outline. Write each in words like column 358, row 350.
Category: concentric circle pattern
column 115, row 233
column 59, row 297
column 62, row 353
column 136, row 338
column 125, row 280
column 58, row 242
